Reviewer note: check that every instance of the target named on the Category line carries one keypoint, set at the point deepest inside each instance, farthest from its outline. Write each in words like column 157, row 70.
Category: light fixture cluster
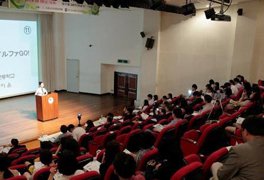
column 106, row 3
column 221, row 16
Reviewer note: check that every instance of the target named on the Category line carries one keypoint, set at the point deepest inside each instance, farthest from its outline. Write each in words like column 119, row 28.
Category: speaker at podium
column 47, row 107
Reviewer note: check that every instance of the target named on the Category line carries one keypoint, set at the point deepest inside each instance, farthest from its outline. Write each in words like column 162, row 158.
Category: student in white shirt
column 41, row 91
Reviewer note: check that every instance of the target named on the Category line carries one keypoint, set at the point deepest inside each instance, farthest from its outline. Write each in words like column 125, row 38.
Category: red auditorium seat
column 191, row 171
column 34, row 151
column 124, row 130
column 17, row 178
column 84, row 159
column 198, row 120
column 148, row 126
column 237, row 97
column 100, row 155
column 216, row 156
column 21, row 168
column 13, row 156
column 146, row 157
column 172, row 132
column 164, row 121
column 23, row 159
column 197, row 107
column 110, row 174
column 91, row 175
column 20, row 150
column 205, row 142
column 43, row 173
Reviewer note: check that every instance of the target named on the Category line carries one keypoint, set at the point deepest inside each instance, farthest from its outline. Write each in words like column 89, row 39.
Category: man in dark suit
column 245, row 161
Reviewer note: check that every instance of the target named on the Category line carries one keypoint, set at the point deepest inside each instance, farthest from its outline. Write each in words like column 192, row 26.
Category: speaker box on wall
column 142, row 34
column 150, row 43
column 240, row 12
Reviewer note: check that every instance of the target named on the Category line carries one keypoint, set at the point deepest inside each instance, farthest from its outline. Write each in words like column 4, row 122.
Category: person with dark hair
column 41, row 91
column 45, row 160
column 208, row 105
column 147, row 141
column 65, row 133
column 241, row 79
column 233, row 87
column 197, row 98
column 128, row 113
column 169, row 97
column 177, row 115
column 111, row 150
column 71, row 127
column 15, row 145
column 244, row 161
column 194, row 89
column 5, row 172
column 89, row 125
column 237, row 84
column 125, row 167
column 211, row 82
column 209, row 90
column 155, row 98
column 150, row 100
column 70, row 144
column 67, row 167
column 145, row 105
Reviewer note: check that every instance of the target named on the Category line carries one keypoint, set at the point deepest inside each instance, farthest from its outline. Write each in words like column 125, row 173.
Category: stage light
column 188, row 9
column 209, row 13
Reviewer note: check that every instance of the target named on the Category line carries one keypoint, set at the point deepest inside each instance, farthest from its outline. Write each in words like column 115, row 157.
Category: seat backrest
column 212, row 138
column 124, row 130
column 84, row 159
column 34, row 151
column 191, row 171
column 13, row 156
column 197, row 121
column 42, row 174
column 17, row 178
column 110, row 174
column 91, row 175
column 21, row 168
column 132, row 133
column 218, row 155
column 23, row 159
column 20, row 150
column 146, row 157
column 166, row 133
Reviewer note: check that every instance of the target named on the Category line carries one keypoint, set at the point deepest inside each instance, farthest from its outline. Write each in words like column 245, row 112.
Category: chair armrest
column 188, row 146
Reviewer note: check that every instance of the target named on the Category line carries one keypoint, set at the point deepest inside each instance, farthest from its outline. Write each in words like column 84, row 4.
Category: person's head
column 148, row 140
column 124, row 165
column 45, row 157
column 67, row 163
column 14, row 142
column 247, row 87
column 236, row 80
column 228, row 92
column 177, row 113
column 149, row 96
column 183, row 102
column 170, row 96
column 5, row 162
column 227, row 85
column 197, row 94
column 252, row 127
column 134, row 142
column 90, row 124
column 41, row 84
column 211, row 81
column 232, row 82
column 164, row 98
column 70, row 127
column 63, row 129
column 209, row 88
column 68, row 143
column 241, row 78
column 194, row 87
column 156, row 97
column 216, row 85
column 110, row 115
column 146, row 103
column 167, row 106
column 109, row 119
column 207, row 98
column 111, row 150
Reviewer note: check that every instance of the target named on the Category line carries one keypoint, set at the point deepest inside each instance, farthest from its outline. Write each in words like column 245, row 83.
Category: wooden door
column 126, row 85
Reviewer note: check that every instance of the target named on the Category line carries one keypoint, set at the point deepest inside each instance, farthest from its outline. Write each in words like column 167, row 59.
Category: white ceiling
column 199, row 4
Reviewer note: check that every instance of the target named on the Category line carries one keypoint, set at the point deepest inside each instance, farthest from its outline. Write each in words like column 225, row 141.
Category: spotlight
column 188, row 9
column 209, row 13
column 240, row 12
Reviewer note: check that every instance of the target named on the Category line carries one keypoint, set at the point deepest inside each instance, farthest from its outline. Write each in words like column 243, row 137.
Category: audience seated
column 15, row 145
column 65, row 133
column 66, row 167
column 245, row 161
column 125, row 167
column 208, row 105
column 111, row 150
column 89, row 125
column 5, row 172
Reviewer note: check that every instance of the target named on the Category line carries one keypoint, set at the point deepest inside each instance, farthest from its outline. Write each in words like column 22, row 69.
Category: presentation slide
column 18, row 57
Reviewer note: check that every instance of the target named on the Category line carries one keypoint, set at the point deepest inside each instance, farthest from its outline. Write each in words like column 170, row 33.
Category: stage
column 18, row 114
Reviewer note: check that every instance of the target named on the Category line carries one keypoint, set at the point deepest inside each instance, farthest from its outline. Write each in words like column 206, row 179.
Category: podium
column 47, row 107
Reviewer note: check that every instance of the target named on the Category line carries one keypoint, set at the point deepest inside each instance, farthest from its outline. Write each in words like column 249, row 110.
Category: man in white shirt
column 150, row 100
column 41, row 91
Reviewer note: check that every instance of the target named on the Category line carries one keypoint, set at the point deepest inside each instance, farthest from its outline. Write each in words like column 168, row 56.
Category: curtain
column 46, row 46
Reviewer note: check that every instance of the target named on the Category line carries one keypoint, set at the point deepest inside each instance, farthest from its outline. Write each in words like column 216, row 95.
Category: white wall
column 114, row 34
column 193, row 50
